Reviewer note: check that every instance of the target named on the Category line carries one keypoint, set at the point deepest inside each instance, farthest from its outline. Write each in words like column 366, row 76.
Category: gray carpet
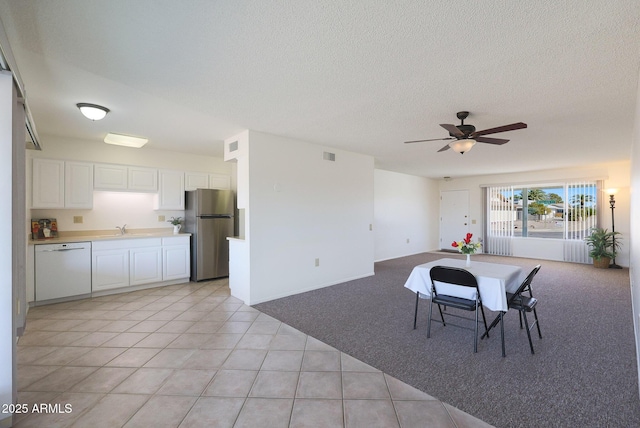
column 583, row 374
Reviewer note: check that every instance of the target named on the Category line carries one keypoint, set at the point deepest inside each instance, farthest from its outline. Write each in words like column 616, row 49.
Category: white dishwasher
column 62, row 270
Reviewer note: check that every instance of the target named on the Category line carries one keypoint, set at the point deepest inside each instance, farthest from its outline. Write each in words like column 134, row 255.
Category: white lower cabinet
column 145, row 265
column 109, row 268
column 122, row 263
column 176, row 263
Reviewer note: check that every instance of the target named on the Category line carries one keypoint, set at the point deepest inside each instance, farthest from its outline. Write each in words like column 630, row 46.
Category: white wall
column 634, row 235
column 118, row 208
column 616, row 174
column 303, row 208
column 405, row 209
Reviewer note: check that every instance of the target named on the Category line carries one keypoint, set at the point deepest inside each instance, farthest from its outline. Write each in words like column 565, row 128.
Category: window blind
column 573, row 217
column 501, row 216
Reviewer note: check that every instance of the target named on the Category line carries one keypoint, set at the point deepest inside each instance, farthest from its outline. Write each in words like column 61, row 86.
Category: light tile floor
column 191, row 355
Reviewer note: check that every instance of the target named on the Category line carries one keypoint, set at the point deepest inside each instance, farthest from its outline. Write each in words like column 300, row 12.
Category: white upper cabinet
column 202, row 180
column 196, row 180
column 123, row 177
column 171, row 190
column 219, row 181
column 78, row 185
column 70, row 184
column 48, row 183
column 110, row 177
column 143, row 179
column 62, row 184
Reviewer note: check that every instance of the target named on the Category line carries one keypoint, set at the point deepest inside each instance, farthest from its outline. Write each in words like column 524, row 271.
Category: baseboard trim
column 304, row 290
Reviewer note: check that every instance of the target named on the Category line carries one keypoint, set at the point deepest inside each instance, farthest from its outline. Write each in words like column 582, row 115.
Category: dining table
column 494, row 281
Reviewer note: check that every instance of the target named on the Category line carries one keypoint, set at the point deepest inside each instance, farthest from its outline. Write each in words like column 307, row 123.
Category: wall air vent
column 233, row 146
column 329, row 156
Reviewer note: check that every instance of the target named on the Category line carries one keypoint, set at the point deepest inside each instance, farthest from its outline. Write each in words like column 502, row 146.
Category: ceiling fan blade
column 491, row 140
column 453, row 130
column 444, row 148
column 433, row 139
column 504, row 128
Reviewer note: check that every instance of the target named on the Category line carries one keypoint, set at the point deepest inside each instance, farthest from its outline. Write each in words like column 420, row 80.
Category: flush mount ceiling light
column 125, row 140
column 92, row 111
column 462, row 146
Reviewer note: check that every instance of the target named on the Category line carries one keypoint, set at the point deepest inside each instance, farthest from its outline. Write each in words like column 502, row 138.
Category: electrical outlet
column 370, row 226
column 78, row 219
column 317, row 262
column 407, row 240
column 161, row 218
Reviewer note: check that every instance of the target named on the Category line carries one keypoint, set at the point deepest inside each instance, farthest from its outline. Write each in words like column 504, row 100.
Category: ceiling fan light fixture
column 462, row 146
column 92, row 111
column 125, row 140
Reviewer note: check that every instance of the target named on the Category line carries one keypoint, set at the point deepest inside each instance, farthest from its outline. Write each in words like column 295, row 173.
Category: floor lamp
column 612, row 203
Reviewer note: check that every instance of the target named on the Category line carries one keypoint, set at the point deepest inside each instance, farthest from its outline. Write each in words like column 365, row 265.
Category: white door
column 454, row 217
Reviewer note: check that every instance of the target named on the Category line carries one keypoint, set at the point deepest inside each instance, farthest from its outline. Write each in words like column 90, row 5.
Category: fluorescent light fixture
column 92, row 111
column 462, row 146
column 125, row 140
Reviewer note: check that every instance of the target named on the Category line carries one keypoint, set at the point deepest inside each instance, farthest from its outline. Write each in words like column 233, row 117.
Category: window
column 557, row 211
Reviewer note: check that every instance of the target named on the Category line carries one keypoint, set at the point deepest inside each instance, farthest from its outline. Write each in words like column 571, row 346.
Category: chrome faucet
column 122, row 229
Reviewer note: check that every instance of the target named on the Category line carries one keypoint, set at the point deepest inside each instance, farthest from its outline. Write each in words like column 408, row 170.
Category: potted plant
column 602, row 246
column 177, row 224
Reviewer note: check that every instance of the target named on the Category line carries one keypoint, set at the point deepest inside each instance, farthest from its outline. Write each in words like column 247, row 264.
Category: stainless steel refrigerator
column 209, row 219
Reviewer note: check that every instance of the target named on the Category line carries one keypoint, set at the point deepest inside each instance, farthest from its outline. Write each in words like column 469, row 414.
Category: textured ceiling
column 357, row 75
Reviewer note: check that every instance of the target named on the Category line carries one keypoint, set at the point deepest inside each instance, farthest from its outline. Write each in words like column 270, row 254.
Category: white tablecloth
column 493, row 280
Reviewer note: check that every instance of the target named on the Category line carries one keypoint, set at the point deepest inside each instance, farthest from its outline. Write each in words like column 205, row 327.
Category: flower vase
column 468, row 260
column 176, row 228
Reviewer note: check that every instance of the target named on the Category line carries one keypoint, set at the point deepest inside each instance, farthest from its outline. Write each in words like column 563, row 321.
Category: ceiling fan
column 466, row 136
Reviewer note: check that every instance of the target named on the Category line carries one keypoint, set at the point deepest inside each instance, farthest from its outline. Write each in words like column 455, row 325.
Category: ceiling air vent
column 233, row 146
column 329, row 156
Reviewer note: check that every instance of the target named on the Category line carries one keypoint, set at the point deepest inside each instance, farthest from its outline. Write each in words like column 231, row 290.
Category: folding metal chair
column 462, row 293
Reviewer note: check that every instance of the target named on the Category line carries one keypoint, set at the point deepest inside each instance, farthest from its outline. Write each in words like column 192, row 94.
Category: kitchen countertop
column 101, row 235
